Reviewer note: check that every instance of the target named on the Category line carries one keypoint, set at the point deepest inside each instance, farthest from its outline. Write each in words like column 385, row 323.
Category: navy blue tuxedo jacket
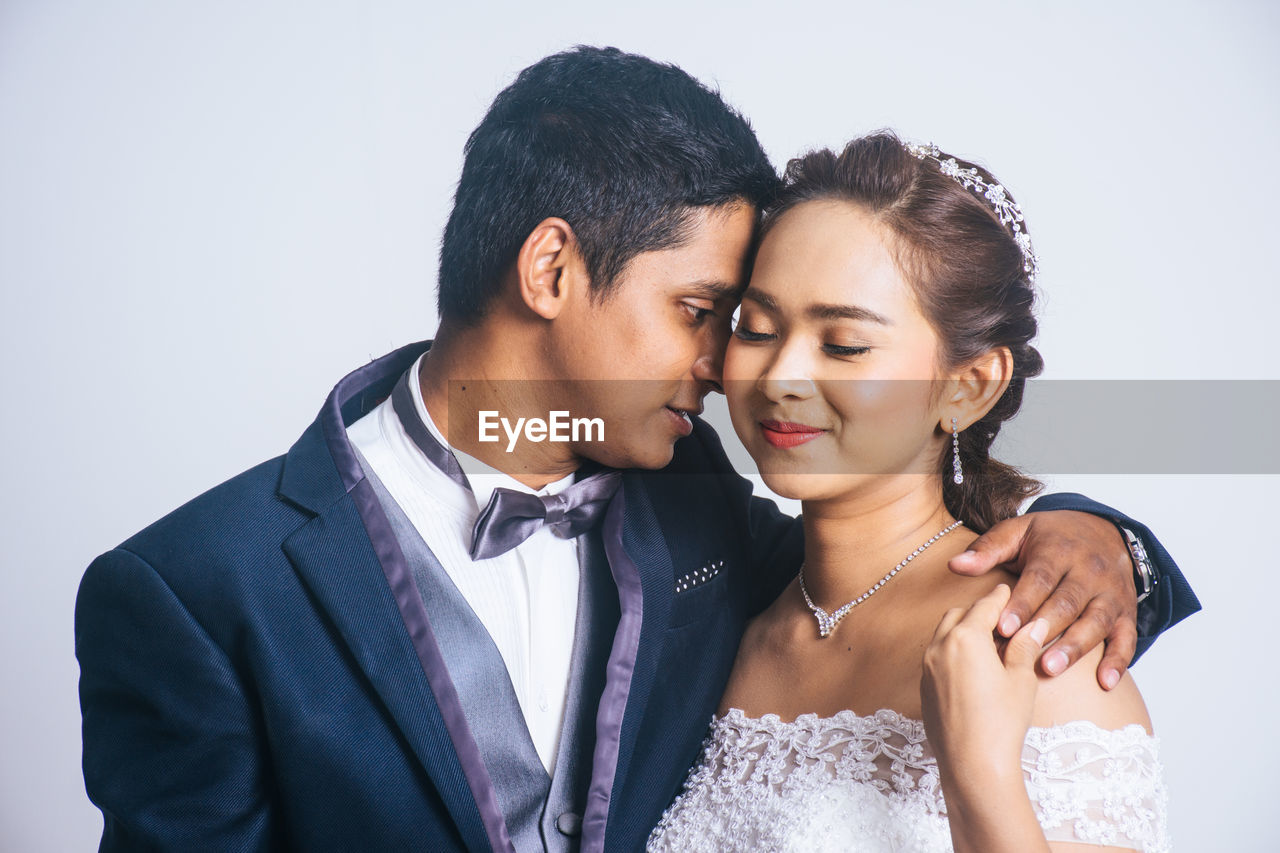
column 257, row 671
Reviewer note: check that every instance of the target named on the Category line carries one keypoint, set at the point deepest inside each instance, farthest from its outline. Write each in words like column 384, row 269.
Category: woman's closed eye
column 845, row 351
column 745, row 333
column 742, row 332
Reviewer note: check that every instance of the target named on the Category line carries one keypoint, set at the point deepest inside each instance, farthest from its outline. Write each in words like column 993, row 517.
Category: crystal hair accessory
column 1006, row 210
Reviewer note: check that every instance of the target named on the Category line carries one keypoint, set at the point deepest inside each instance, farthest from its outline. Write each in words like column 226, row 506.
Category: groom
column 404, row 635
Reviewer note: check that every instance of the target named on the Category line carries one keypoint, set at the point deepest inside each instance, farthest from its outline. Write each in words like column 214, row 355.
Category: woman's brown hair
column 968, row 275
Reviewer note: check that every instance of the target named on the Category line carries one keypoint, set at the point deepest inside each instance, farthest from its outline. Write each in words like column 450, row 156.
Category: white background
column 209, row 213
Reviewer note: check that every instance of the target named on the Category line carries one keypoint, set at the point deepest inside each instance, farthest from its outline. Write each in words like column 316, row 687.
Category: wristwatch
column 1145, row 578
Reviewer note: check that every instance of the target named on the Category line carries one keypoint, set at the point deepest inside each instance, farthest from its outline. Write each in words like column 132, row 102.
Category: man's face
column 643, row 358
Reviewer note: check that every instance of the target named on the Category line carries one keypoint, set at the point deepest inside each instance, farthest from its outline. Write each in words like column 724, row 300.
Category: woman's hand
column 977, row 706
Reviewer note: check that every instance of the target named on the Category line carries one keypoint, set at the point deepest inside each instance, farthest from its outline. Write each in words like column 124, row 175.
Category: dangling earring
column 958, row 477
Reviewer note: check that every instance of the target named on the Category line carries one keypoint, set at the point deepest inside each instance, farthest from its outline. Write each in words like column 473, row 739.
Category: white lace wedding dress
column 868, row 784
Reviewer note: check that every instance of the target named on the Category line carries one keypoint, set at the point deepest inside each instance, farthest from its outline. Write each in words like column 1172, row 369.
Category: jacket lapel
column 643, row 542
column 641, row 565
column 344, row 575
column 349, row 558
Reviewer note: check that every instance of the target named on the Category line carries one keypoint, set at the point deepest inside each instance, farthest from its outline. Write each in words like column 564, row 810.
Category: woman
column 884, row 338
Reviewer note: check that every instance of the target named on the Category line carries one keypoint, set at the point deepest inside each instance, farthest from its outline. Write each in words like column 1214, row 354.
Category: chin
column 797, row 487
column 810, row 487
column 653, row 458
column 801, row 480
column 645, row 454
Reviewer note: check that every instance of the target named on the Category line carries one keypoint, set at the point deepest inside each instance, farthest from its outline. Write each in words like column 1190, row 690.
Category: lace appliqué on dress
column 870, row 784
column 1103, row 787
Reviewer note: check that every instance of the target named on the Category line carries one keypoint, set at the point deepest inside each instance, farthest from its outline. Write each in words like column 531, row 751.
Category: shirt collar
column 483, row 478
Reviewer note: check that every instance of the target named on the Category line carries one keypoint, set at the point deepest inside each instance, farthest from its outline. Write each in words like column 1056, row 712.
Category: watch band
column 1145, row 578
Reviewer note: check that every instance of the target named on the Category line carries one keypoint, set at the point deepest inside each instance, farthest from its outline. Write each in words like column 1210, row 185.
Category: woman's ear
column 548, row 267
column 976, row 387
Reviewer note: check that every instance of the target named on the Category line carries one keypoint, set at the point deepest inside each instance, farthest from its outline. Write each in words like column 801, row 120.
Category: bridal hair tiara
column 1006, row 210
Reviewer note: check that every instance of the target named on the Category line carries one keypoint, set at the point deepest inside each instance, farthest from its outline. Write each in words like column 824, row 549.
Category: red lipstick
column 788, row 434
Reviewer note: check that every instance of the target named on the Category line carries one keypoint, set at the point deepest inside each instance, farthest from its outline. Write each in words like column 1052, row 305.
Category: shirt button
column 543, row 704
column 569, row 824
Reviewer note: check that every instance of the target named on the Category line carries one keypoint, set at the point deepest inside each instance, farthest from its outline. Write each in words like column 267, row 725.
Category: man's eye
column 697, row 313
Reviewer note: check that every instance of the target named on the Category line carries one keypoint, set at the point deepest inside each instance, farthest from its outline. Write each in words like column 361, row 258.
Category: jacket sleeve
column 172, row 747
column 1171, row 601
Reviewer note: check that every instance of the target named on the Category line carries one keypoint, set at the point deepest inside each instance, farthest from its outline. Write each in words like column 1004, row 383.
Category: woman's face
column 830, row 372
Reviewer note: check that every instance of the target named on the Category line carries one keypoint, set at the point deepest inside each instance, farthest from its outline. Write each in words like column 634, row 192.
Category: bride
column 884, row 338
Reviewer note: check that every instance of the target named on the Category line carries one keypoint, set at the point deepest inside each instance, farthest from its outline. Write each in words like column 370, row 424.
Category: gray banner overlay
column 1138, row 427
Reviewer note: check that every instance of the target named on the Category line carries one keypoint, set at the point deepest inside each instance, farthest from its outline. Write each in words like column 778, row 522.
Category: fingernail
column 1055, row 662
column 967, row 553
column 1009, row 624
column 1040, row 630
column 1110, row 678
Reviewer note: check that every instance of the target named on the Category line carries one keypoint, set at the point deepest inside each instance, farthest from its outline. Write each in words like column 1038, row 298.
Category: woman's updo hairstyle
column 969, row 278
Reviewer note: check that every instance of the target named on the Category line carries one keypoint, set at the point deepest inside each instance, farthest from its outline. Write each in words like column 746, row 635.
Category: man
column 404, row 635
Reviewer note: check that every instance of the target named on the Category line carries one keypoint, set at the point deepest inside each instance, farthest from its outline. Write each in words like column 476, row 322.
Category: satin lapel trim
column 641, row 565
column 413, row 613
column 350, row 585
column 364, row 592
column 308, row 479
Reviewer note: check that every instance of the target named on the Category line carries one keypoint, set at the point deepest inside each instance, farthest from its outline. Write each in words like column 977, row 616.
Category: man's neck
column 466, row 373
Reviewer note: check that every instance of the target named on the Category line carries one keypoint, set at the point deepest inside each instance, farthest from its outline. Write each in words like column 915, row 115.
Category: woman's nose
column 789, row 375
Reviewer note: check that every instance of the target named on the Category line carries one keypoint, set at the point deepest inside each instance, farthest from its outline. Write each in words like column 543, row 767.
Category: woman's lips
column 788, row 434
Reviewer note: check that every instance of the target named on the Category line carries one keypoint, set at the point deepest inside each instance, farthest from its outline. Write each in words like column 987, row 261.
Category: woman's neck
column 853, row 541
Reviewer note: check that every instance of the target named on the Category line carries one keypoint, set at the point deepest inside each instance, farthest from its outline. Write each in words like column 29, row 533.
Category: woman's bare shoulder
column 1076, row 695
column 1073, row 695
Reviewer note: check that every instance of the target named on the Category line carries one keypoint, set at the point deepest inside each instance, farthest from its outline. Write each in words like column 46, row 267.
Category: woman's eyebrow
column 764, row 300
column 846, row 312
column 821, row 311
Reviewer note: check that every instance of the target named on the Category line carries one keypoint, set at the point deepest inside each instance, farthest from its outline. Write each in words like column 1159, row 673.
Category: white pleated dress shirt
column 527, row 598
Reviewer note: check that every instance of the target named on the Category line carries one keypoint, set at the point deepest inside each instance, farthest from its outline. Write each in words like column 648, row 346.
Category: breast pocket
column 700, row 593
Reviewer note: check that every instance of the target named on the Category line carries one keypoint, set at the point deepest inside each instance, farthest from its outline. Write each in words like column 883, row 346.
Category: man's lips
column 787, row 433
column 681, row 419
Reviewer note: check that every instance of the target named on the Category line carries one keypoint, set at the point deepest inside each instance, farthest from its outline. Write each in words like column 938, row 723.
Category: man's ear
column 548, row 267
column 976, row 387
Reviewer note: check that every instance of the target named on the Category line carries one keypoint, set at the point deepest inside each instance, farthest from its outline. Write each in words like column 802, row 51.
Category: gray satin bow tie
column 510, row 516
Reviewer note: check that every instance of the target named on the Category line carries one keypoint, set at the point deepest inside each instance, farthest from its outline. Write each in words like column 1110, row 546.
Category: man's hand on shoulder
column 1074, row 571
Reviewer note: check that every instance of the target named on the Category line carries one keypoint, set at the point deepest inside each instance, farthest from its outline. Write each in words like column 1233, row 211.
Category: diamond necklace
column 827, row 622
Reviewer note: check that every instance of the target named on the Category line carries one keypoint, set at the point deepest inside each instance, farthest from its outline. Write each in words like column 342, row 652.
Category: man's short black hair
column 622, row 148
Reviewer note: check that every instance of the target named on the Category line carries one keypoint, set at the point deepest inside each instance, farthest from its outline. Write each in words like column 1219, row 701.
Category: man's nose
column 708, row 368
column 709, row 371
